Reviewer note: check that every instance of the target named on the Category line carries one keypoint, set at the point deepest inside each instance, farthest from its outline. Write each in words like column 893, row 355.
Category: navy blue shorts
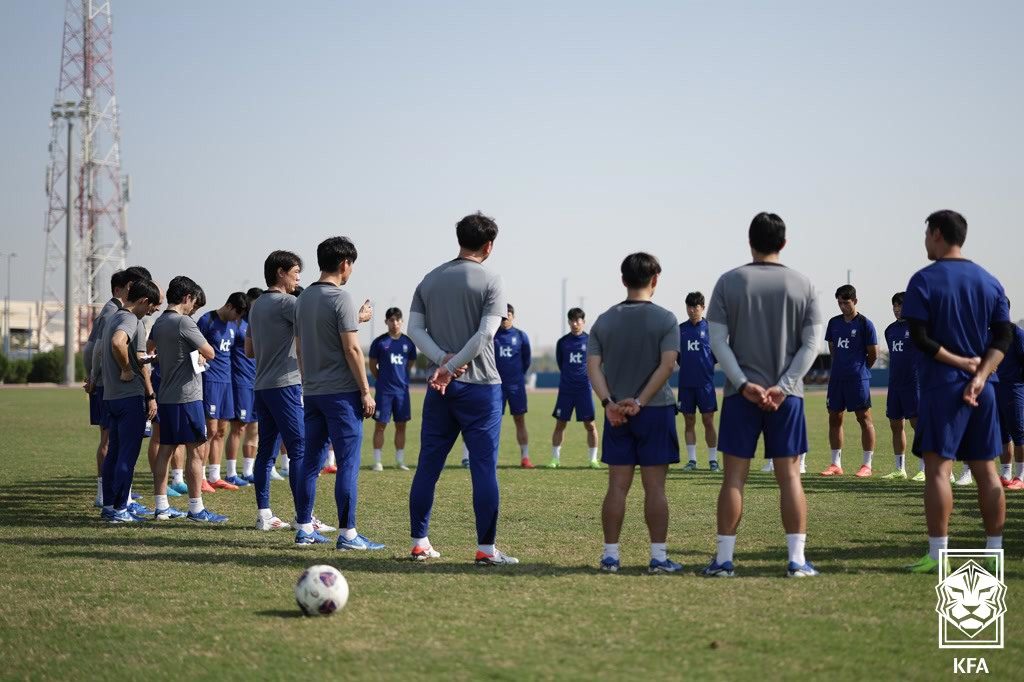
column 848, row 395
column 580, row 401
column 701, row 398
column 392, row 406
column 901, row 403
column 742, row 423
column 182, row 423
column 513, row 395
column 244, row 403
column 1010, row 401
column 218, row 400
column 97, row 409
column 647, row 439
column 953, row 429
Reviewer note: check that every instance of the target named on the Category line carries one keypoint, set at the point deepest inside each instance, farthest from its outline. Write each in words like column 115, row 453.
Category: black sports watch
column 151, row 396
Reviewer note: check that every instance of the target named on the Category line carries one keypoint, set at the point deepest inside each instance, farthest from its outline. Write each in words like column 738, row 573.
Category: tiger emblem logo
column 971, row 599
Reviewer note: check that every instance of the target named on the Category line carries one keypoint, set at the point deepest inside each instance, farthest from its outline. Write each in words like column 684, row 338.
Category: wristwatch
column 151, row 396
column 604, row 403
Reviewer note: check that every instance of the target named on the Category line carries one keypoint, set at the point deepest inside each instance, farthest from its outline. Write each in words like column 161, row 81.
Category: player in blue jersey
column 904, row 386
column 391, row 357
column 574, row 394
column 243, row 431
column 697, row 381
column 512, row 355
column 960, row 321
column 1010, row 400
column 854, row 347
column 221, row 331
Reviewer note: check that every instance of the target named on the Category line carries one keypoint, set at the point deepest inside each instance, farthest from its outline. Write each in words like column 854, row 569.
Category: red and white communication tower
column 85, row 244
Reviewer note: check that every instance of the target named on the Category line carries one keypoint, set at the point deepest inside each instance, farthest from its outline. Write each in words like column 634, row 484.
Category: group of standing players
column 294, row 366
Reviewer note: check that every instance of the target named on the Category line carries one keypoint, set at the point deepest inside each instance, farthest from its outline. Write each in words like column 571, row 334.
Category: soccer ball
column 321, row 590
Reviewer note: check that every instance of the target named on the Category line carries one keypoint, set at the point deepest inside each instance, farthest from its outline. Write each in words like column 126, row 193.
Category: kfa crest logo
column 971, row 599
column 853, row 332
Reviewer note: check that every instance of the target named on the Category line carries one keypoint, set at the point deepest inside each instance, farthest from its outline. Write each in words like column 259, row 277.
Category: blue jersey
column 1011, row 369
column 393, row 357
column 904, row 358
column 221, row 335
column 850, row 341
column 512, row 354
column 696, row 361
column 571, row 356
column 243, row 369
column 958, row 301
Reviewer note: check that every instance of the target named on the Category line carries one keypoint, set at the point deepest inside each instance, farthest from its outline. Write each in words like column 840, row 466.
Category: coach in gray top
column 631, row 354
column 455, row 312
column 765, row 323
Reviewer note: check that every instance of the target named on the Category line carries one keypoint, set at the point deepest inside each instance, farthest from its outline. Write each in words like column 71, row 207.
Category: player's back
column 765, row 307
column 454, row 298
column 272, row 329
column 325, row 311
column 175, row 337
column 630, row 338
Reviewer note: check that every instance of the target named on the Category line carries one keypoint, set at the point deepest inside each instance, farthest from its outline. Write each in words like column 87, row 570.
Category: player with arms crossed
column 904, row 387
column 336, row 393
column 634, row 347
column 512, row 354
column 854, row 347
column 175, row 337
column 574, row 392
column 456, row 311
column 960, row 320
column 391, row 356
column 765, row 324
column 697, row 382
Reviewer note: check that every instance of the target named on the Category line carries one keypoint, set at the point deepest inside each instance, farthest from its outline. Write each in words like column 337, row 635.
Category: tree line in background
column 45, row 367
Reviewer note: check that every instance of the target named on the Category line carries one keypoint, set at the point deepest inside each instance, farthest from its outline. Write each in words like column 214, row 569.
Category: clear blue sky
column 587, row 129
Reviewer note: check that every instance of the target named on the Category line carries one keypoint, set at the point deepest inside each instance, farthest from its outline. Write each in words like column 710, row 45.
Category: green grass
column 80, row 599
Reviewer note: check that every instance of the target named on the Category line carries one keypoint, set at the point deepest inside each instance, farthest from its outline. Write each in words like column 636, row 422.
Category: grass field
column 82, row 600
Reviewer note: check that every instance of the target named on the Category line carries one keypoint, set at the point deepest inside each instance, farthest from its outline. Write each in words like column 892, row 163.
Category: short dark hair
column 638, row 269
column 950, row 224
column 180, row 287
column 476, row 230
column 239, row 302
column 392, row 312
column 694, row 298
column 767, row 233
column 576, row 314
column 897, row 298
column 847, row 292
column 511, row 308
column 144, row 288
column 138, row 272
column 124, row 278
column 250, row 297
column 333, row 251
column 200, row 297
column 283, row 260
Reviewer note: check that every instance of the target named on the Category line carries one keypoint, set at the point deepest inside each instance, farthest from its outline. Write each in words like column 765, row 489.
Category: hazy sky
column 586, row 129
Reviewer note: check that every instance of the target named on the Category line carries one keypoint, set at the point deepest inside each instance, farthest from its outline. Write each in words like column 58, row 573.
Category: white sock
column 593, row 454
column 691, row 452
column 611, row 550
column 935, row 544
column 400, row 456
column 524, row 451
column 994, row 542
column 349, row 533
column 486, row 549
column 803, row 459
column 901, row 462
column 659, row 551
column 726, row 546
column 422, row 542
column 713, row 454
column 265, row 514
column 920, row 464
column 212, row 473
column 465, row 451
column 160, row 501
column 1018, row 469
column 306, row 527
column 965, row 470
column 837, row 457
column 377, row 453
column 232, row 468
column 795, row 543
column 195, row 505
column 556, row 452
column 1005, row 472
column 284, row 463
column 99, row 488
column 868, row 455
column 248, row 463
column 331, row 462
column 177, row 476
column 771, row 465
